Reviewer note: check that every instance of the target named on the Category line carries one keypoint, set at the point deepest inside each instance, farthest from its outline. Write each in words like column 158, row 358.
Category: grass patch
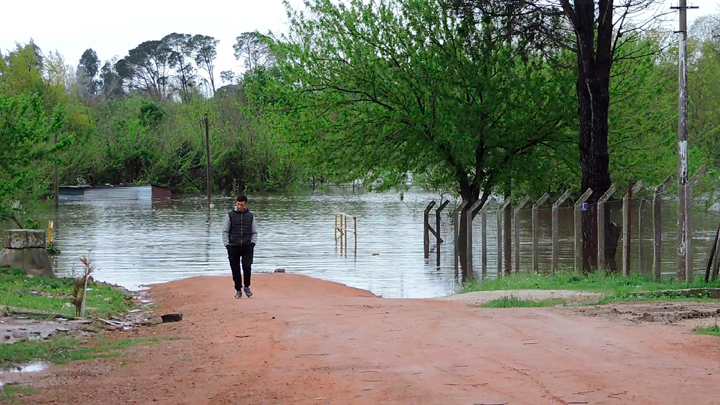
column 62, row 350
column 515, row 302
column 615, row 286
column 9, row 393
column 17, row 289
column 712, row 330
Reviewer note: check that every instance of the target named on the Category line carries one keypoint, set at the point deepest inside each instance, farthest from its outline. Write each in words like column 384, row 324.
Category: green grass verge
column 515, row 302
column 616, row 287
column 712, row 330
column 62, row 350
column 17, row 289
column 9, row 393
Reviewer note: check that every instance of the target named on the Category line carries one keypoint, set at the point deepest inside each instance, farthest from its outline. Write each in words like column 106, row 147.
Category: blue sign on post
column 585, row 206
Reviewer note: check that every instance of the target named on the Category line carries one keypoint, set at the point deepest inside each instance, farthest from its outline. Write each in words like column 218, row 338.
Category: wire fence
column 650, row 228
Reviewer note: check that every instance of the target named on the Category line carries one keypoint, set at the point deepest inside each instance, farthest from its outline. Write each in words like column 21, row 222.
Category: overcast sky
column 111, row 29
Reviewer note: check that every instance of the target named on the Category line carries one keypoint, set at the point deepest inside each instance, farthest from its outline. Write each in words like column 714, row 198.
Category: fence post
column 355, row 232
column 483, row 213
column 556, row 229
column 535, row 228
column 426, row 229
column 336, row 229
column 689, row 271
column 640, row 235
column 577, row 224
column 468, row 248
column 657, row 227
column 627, row 234
column 517, row 232
column 601, row 226
column 437, row 228
column 500, row 216
column 458, row 215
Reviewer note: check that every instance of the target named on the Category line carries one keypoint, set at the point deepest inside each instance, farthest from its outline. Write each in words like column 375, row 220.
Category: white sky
column 72, row 26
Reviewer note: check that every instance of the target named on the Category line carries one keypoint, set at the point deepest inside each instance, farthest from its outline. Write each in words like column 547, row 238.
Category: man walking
column 239, row 236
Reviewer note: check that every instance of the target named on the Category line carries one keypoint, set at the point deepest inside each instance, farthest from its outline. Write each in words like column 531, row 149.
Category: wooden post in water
column 483, row 214
column 207, row 159
column 437, row 228
column 535, row 230
column 657, row 227
column 627, row 233
column 458, row 216
column 426, row 229
column 355, row 233
column 577, row 223
column 517, row 232
column 601, row 226
column 689, row 270
column 500, row 236
column 556, row 229
column 469, row 248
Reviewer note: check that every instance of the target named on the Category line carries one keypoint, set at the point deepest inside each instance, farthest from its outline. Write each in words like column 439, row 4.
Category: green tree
column 25, row 131
column 205, row 55
column 182, row 54
column 147, row 69
column 377, row 90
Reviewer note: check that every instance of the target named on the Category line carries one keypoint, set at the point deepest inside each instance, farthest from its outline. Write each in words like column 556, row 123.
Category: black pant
column 234, row 254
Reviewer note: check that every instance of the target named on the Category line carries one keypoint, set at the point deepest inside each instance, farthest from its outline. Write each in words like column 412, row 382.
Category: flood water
column 136, row 243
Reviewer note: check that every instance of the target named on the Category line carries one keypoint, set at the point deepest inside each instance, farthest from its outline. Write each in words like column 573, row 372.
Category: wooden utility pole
column 57, row 174
column 207, row 159
column 682, row 141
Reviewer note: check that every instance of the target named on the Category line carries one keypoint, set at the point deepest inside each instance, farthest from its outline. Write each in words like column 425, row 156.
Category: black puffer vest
column 241, row 228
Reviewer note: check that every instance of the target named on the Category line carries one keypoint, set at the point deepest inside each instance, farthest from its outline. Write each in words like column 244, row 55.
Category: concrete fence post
column 426, row 229
column 458, row 216
column 577, row 224
column 627, row 234
column 438, row 220
column 516, row 219
column 535, row 230
column 500, row 216
column 483, row 213
column 556, row 229
column 601, row 226
column 469, row 248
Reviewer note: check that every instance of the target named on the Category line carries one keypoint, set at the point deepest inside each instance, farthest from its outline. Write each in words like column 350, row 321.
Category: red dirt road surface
column 306, row 341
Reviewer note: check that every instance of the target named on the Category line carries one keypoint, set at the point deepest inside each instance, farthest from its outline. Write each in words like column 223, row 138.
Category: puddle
column 34, row 367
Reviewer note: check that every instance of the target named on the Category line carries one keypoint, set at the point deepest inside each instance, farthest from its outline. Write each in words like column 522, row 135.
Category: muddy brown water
column 137, row 243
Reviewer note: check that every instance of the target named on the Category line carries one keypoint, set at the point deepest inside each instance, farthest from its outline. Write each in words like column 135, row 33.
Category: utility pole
column 207, row 159
column 682, row 144
column 57, row 175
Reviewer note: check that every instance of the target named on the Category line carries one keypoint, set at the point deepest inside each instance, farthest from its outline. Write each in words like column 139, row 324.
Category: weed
column 62, row 350
column 616, row 286
column 9, row 393
column 712, row 330
column 515, row 302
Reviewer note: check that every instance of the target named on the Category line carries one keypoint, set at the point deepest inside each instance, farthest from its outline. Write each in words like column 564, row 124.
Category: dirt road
column 306, row 341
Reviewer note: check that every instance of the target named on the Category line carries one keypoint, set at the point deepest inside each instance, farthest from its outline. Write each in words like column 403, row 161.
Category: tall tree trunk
column 593, row 91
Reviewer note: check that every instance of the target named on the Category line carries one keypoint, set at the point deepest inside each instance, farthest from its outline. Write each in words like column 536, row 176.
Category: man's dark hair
column 242, row 198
